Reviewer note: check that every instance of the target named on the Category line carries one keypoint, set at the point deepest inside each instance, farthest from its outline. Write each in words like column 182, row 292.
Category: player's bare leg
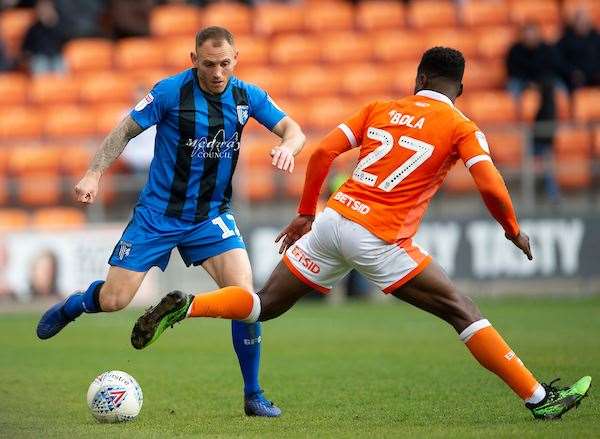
column 432, row 291
column 111, row 295
column 232, row 268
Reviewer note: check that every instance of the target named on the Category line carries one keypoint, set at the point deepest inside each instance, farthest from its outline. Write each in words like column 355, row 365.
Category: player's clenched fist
column 87, row 188
column 300, row 226
column 283, row 158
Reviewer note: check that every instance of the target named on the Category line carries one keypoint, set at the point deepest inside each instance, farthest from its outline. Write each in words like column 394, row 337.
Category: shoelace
column 553, row 391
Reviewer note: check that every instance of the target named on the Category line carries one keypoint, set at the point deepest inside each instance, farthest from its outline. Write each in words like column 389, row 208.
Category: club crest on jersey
column 124, row 249
column 144, row 102
column 242, row 114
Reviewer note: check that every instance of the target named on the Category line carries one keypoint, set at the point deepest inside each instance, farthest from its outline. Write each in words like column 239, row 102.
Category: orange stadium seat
column 537, row 11
column 375, row 15
column 591, row 7
column 586, row 104
column 4, row 156
column 85, row 54
column 295, row 49
column 573, row 173
column 255, row 151
column 340, row 47
column 75, row 159
column 327, row 113
column 404, row 78
column 39, row 189
column 459, row 180
column 486, row 75
column 253, row 50
column 259, row 184
column 177, row 52
column 494, row 42
column 34, row 159
column 293, row 184
column 69, row 121
column 484, row 12
column 107, row 87
column 13, row 219
column 107, row 116
column 398, row 45
column 368, row 79
column 506, row 146
column 146, row 79
column 464, row 40
column 4, row 192
column 139, row 53
column 573, row 141
column 21, row 122
column 490, row 107
column 13, row 26
column 315, row 80
column 13, row 88
column 274, row 81
column 328, row 16
column 234, row 16
column 175, row 19
column 58, row 217
column 530, row 102
column 297, row 109
column 54, row 89
column 432, row 13
column 274, row 18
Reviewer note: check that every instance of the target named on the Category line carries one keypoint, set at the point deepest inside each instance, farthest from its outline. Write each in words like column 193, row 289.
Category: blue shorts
column 149, row 237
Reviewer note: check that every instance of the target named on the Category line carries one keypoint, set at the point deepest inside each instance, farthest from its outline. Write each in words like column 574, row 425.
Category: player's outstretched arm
column 292, row 141
column 497, row 199
column 111, row 148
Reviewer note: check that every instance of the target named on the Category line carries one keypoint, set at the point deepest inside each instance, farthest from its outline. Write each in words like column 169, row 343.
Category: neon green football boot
column 170, row 310
column 559, row 400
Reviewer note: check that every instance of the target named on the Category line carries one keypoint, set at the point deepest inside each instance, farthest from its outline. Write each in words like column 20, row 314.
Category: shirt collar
column 436, row 96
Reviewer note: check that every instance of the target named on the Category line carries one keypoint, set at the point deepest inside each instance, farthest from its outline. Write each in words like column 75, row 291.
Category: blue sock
column 88, row 301
column 246, row 342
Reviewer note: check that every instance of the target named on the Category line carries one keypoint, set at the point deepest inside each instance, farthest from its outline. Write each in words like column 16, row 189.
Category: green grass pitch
column 355, row 370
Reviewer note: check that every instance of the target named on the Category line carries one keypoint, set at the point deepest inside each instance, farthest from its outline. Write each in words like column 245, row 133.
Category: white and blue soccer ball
column 115, row 396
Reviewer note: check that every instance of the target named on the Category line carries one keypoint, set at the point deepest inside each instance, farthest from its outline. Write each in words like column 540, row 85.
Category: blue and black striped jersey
column 197, row 142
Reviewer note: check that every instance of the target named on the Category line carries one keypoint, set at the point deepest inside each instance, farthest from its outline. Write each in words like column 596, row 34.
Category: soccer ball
column 114, row 396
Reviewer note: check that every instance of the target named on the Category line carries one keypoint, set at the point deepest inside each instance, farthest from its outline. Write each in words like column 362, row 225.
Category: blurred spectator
column 5, row 62
column 43, row 275
column 81, row 18
column 130, row 18
column 5, row 4
column 544, row 130
column 580, row 47
column 43, row 42
column 531, row 59
column 6, row 291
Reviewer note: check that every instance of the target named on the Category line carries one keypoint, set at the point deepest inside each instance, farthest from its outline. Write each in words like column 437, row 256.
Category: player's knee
column 462, row 311
column 114, row 298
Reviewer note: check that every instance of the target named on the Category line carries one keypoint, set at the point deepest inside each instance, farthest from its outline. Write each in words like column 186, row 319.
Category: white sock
column 538, row 394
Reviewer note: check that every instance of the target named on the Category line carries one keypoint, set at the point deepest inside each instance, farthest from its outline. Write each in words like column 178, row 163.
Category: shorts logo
column 306, row 262
column 124, row 249
column 242, row 114
column 144, row 102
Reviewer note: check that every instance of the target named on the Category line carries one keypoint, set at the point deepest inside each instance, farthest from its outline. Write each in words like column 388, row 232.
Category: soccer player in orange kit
column 406, row 147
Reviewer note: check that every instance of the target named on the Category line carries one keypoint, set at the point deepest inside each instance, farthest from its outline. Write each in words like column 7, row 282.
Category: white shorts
column 336, row 245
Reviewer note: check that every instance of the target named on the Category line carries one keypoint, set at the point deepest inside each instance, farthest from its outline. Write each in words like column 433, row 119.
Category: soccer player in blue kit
column 200, row 114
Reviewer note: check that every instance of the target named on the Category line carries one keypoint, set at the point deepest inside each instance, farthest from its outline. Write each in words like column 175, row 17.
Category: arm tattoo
column 114, row 144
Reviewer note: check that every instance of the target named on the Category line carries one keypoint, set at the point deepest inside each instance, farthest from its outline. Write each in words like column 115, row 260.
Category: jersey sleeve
column 354, row 126
column 471, row 144
column 151, row 109
column 263, row 108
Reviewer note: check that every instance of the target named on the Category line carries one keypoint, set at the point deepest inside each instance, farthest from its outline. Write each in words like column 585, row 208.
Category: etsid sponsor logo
column 308, row 263
column 350, row 202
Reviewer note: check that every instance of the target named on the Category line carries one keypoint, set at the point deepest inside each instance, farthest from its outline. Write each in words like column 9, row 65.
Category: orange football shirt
column 407, row 147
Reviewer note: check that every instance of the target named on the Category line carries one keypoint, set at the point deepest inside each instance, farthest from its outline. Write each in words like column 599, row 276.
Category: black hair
column 442, row 62
column 215, row 33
